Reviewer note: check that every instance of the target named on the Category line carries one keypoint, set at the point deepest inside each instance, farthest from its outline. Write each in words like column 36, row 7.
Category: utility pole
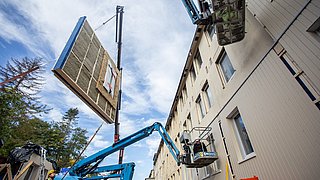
column 119, row 20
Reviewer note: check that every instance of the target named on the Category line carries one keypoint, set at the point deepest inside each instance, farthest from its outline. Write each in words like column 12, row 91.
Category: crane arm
column 87, row 165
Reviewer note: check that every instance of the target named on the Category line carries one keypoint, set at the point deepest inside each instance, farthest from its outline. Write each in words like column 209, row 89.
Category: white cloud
column 55, row 115
column 13, row 32
column 99, row 142
column 149, row 122
column 140, row 162
column 139, row 145
column 152, row 144
column 158, row 41
column 128, row 126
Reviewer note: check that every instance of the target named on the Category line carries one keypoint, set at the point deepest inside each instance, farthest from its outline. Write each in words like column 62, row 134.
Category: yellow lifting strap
column 227, row 170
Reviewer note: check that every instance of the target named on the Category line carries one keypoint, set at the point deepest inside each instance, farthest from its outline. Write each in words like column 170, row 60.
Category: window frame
column 189, row 122
column 244, row 155
column 208, row 95
column 315, row 27
column 198, row 60
column 184, row 94
column 222, row 57
column 110, row 79
column 211, row 31
column 201, row 107
column 193, row 75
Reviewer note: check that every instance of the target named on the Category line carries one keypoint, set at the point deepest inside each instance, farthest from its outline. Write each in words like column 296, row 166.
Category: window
column 210, row 29
column 110, row 79
column 184, row 126
column 189, row 122
column 242, row 135
column 315, row 27
column 181, row 102
column 200, row 107
column 198, row 60
column 208, row 95
column 185, row 92
column 226, row 67
column 193, row 74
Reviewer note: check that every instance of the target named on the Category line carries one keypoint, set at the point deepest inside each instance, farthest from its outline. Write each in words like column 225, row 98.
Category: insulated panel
column 86, row 68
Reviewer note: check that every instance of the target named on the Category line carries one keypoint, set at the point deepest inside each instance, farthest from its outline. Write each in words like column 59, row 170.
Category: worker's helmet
column 51, row 171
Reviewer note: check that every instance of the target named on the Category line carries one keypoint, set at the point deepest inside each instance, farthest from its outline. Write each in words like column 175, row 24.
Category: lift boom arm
column 89, row 164
column 194, row 13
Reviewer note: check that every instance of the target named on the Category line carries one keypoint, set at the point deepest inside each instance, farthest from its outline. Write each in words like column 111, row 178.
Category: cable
column 105, row 22
column 77, row 159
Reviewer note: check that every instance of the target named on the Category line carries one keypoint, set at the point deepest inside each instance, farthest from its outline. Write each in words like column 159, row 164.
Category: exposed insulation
column 82, row 67
column 72, row 67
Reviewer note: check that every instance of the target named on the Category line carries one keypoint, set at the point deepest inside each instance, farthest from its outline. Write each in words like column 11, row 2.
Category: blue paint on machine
column 66, row 51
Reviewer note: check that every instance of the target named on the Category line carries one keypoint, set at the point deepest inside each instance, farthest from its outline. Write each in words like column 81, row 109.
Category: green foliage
column 12, row 112
column 18, row 101
column 62, row 140
column 28, row 85
column 72, row 139
column 19, row 116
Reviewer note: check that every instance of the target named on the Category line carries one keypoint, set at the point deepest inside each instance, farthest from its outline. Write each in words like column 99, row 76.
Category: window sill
column 248, row 157
column 210, row 175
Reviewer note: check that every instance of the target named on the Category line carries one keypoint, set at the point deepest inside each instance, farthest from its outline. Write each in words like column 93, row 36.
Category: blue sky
column 156, row 38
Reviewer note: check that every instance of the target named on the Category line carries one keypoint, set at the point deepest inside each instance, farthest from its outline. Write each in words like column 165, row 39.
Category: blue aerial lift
column 89, row 165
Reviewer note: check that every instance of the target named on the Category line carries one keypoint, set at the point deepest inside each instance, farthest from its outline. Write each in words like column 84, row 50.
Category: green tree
column 18, row 100
column 28, row 85
column 12, row 112
column 19, row 124
column 74, row 138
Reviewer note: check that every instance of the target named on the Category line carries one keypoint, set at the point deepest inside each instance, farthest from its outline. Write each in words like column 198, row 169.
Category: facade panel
column 84, row 67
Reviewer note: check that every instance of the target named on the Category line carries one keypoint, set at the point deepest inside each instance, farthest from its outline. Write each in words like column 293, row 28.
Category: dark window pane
column 227, row 67
column 201, row 107
column 193, row 73
column 243, row 135
column 209, row 96
column 198, row 59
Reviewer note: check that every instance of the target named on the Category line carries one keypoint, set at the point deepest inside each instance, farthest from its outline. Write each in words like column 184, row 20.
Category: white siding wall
column 281, row 119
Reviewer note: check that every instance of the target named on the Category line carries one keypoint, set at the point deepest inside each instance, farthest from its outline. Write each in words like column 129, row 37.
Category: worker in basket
column 187, row 151
column 51, row 175
column 199, row 147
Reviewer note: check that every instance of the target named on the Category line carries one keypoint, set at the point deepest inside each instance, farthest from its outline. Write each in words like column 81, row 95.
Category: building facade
column 260, row 97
